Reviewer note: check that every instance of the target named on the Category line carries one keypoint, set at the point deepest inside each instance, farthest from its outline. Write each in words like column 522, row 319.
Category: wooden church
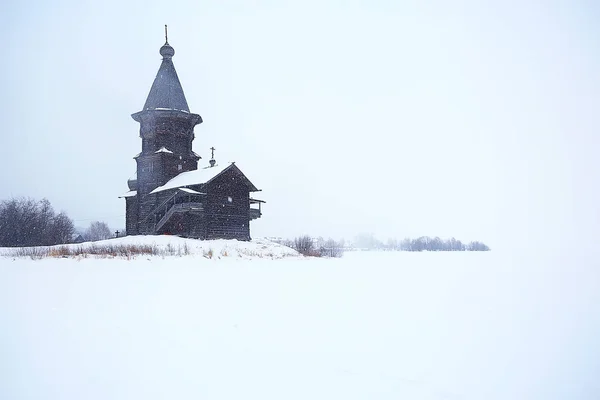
column 170, row 193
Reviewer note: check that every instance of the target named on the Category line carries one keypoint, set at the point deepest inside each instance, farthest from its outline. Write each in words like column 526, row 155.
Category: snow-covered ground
column 372, row 325
column 173, row 245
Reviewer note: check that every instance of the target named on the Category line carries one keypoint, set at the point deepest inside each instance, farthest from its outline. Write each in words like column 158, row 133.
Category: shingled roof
column 202, row 176
column 166, row 92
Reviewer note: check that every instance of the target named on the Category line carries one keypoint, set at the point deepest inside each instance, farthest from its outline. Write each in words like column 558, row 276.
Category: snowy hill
column 164, row 246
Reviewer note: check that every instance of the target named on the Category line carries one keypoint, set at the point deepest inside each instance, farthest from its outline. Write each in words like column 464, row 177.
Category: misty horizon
column 472, row 122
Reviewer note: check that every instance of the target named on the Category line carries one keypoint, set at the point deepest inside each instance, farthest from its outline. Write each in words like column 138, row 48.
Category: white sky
column 473, row 121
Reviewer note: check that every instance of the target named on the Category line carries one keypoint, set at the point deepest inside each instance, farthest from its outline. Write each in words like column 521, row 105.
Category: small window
column 179, row 167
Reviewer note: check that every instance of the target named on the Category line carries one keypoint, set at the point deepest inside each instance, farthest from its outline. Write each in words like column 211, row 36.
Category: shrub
column 304, row 245
column 331, row 248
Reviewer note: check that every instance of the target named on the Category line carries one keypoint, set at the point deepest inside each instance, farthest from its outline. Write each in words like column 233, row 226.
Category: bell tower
column 167, row 132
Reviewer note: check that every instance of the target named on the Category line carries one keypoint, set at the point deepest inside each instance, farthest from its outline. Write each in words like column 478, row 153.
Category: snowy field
column 169, row 245
column 372, row 325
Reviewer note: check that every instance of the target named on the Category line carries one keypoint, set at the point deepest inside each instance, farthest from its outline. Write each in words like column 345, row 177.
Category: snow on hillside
column 173, row 245
column 368, row 326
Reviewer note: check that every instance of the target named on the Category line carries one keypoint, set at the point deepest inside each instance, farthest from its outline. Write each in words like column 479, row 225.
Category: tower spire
column 166, row 91
column 166, row 50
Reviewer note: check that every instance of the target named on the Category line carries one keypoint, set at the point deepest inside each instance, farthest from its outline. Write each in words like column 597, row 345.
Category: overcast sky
column 396, row 118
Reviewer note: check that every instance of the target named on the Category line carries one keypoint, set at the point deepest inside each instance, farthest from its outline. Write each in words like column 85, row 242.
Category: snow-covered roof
column 191, row 191
column 131, row 193
column 163, row 150
column 168, row 109
column 190, row 178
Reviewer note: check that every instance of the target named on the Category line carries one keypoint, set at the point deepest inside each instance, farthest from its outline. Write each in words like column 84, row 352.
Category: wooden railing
column 254, row 213
column 163, row 204
column 177, row 208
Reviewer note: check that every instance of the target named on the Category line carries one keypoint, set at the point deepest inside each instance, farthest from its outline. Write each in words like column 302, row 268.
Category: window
column 179, row 167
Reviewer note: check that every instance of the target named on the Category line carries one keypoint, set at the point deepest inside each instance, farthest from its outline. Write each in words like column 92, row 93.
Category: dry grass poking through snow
column 101, row 251
column 161, row 246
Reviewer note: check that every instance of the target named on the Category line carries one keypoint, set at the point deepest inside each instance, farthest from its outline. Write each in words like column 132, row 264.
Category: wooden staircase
column 177, row 209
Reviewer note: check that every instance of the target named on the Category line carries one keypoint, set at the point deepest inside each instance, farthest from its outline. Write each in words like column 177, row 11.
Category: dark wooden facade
column 216, row 208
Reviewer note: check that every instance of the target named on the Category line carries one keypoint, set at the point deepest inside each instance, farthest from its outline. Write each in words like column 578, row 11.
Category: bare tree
column 331, row 248
column 97, row 231
column 63, row 229
column 27, row 222
column 304, row 245
column 477, row 246
column 405, row 245
column 436, row 244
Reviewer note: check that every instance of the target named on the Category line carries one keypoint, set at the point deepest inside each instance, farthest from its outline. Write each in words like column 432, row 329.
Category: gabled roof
column 190, row 191
column 166, row 92
column 202, row 176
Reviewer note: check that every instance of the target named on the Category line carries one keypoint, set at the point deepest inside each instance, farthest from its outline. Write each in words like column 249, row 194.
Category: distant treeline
column 27, row 222
column 319, row 247
column 423, row 243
